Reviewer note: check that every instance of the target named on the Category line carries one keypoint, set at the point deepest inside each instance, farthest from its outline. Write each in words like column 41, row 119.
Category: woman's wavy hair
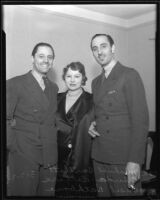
column 76, row 66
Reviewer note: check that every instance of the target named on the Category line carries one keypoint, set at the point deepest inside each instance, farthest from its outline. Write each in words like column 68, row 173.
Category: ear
column 113, row 48
column 32, row 59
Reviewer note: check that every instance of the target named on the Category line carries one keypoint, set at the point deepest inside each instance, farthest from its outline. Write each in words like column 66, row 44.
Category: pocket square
column 112, row 91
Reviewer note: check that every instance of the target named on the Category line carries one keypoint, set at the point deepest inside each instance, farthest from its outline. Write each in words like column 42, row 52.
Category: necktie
column 46, row 83
column 103, row 77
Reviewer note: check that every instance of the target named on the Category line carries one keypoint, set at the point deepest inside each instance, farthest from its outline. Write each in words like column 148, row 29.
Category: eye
column 104, row 45
column 94, row 48
column 50, row 57
column 41, row 56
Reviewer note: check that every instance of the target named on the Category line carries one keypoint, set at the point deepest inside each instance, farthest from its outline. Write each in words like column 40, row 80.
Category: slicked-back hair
column 110, row 39
column 76, row 66
column 44, row 44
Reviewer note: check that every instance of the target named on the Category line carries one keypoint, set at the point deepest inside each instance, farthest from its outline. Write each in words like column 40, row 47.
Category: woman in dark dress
column 75, row 172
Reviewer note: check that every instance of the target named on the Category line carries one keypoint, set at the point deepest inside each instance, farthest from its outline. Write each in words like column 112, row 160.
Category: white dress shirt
column 39, row 79
column 108, row 68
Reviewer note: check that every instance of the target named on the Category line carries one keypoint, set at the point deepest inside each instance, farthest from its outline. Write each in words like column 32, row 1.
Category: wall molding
column 71, row 10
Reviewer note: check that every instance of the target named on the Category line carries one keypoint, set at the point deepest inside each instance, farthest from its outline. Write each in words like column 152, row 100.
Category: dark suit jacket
column 121, row 116
column 31, row 129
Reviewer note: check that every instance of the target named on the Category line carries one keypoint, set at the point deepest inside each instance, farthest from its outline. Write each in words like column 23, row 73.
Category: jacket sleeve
column 91, row 112
column 138, row 112
column 11, row 102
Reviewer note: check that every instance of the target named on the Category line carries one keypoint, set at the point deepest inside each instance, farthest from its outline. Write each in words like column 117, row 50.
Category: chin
column 102, row 63
column 73, row 89
column 45, row 71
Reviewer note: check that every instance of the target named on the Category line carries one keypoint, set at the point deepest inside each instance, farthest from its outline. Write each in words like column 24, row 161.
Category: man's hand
column 92, row 130
column 133, row 174
column 53, row 169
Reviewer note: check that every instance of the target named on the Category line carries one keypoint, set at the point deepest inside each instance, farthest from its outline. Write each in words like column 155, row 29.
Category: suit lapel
column 102, row 87
column 35, row 90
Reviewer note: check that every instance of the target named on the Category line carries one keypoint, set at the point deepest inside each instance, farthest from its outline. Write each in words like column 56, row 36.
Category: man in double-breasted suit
column 31, row 130
column 121, row 122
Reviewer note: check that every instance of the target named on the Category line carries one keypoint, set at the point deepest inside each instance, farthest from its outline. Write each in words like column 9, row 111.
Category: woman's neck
column 74, row 93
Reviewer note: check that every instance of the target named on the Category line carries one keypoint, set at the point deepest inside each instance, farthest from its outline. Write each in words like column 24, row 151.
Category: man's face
column 43, row 59
column 103, row 52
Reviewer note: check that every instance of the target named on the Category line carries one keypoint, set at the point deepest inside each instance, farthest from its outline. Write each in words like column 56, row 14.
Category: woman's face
column 73, row 79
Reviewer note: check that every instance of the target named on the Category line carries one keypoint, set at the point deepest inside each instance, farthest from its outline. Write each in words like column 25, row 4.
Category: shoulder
column 54, row 85
column 61, row 95
column 88, row 96
column 132, row 78
column 96, row 79
column 129, row 72
column 15, row 81
column 127, row 69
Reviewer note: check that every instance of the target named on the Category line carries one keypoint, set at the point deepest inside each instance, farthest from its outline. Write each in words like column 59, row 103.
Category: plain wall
column 141, row 55
column 70, row 38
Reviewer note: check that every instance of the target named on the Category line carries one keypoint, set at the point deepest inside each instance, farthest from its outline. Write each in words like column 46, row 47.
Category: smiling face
column 73, row 79
column 43, row 59
column 102, row 50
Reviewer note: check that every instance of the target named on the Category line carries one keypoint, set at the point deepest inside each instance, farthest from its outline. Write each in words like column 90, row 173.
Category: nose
column 45, row 59
column 99, row 51
column 72, row 79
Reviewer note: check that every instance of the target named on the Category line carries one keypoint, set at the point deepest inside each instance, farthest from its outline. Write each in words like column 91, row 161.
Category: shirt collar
column 107, row 69
column 37, row 76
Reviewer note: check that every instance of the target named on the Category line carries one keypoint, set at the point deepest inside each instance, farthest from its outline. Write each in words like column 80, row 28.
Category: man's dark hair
column 35, row 49
column 110, row 39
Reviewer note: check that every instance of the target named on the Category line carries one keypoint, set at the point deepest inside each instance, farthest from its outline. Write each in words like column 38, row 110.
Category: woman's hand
column 92, row 130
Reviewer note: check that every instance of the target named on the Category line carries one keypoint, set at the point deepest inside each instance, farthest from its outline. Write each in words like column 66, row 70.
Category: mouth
column 45, row 65
column 101, row 58
column 72, row 85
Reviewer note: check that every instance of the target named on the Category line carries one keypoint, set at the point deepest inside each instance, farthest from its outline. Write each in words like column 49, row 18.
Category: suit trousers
column 111, row 181
column 28, row 178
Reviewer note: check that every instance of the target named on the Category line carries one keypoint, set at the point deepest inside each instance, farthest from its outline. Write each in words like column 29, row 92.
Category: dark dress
column 75, row 171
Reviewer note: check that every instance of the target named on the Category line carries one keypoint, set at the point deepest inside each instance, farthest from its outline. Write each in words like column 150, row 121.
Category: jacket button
column 107, row 117
column 35, row 110
column 107, row 131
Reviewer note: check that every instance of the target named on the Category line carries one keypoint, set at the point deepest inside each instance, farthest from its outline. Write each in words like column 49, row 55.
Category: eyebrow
column 100, row 44
column 44, row 54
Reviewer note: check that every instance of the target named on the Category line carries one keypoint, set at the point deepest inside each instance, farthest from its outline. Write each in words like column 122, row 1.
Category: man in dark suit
column 31, row 130
column 121, row 122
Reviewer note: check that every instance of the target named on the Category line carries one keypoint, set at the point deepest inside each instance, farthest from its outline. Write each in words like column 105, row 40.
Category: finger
column 94, row 132
column 131, row 179
column 92, row 135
